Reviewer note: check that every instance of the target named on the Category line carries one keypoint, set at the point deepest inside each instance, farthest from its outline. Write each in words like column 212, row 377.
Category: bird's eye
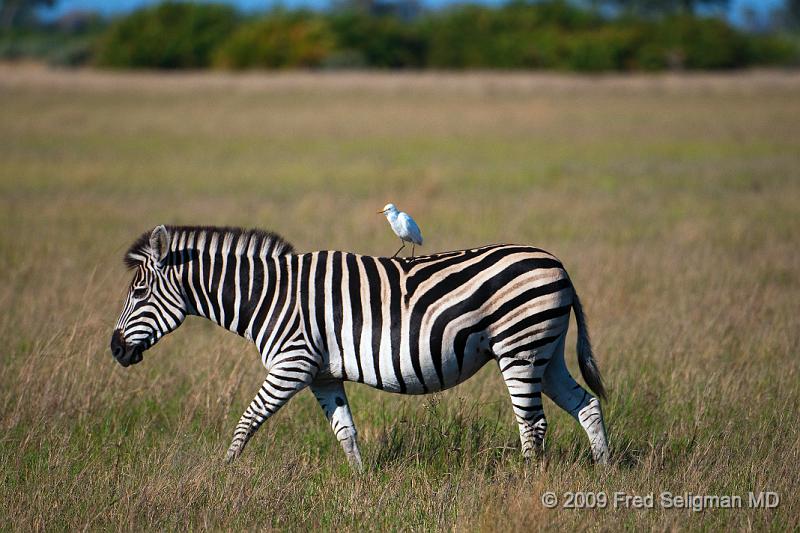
column 140, row 292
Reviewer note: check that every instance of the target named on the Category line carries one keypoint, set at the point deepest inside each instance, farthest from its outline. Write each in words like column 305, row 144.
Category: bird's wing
column 412, row 230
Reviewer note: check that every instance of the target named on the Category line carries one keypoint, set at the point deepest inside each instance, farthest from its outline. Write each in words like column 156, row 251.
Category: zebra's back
column 426, row 324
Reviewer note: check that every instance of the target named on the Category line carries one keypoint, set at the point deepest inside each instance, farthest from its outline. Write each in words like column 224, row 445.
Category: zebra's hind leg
column 560, row 386
column 333, row 400
column 523, row 377
column 284, row 380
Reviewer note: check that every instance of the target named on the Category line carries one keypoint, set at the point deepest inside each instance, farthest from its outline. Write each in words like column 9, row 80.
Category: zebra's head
column 155, row 304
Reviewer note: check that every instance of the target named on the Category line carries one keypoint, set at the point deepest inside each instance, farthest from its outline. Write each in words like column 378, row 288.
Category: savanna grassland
column 673, row 201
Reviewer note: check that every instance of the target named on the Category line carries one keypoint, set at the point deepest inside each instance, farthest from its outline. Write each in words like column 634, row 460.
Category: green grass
column 673, row 201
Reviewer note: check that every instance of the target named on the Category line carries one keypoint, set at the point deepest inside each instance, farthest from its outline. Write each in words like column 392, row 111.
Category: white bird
column 403, row 226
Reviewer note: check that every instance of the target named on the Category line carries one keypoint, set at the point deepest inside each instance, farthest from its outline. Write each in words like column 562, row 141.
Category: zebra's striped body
column 406, row 326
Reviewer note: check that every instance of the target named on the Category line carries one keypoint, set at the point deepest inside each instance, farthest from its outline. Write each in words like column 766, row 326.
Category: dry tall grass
column 673, row 202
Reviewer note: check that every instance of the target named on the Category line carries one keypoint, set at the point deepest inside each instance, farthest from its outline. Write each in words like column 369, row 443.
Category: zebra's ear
column 159, row 243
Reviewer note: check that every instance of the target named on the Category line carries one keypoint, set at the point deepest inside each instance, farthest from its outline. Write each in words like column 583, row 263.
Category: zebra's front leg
column 523, row 377
column 283, row 381
column 333, row 400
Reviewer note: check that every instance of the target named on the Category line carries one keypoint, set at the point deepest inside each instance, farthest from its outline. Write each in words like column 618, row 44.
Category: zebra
column 408, row 326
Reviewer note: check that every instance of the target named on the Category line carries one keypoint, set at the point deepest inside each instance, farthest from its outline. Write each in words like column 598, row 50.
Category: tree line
column 594, row 35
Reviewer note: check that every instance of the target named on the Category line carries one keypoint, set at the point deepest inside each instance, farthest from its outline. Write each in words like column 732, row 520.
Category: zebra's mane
column 256, row 239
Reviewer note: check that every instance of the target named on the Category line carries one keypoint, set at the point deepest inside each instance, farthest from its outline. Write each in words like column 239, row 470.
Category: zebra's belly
column 423, row 374
column 411, row 383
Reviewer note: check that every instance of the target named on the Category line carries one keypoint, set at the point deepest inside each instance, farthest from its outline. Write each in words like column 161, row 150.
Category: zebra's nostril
column 117, row 344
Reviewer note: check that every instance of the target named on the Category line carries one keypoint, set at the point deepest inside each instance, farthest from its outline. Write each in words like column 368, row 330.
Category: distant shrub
column 170, row 35
column 15, row 47
column 546, row 49
column 774, row 50
column 345, row 60
column 609, row 48
column 460, row 37
column 278, row 41
column 52, row 47
column 473, row 36
column 553, row 13
column 692, row 43
column 520, row 34
column 377, row 41
column 74, row 53
column 516, row 35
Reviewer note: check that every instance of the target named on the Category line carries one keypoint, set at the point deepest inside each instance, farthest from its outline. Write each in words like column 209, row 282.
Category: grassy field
column 673, row 201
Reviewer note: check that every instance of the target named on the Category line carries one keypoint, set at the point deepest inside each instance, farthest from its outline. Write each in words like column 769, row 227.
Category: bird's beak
column 380, row 212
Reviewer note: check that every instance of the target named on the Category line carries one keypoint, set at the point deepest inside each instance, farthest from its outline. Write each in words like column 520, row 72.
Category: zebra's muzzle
column 125, row 354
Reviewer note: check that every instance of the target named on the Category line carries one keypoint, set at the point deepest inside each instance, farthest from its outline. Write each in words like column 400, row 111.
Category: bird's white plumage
column 409, row 229
column 402, row 224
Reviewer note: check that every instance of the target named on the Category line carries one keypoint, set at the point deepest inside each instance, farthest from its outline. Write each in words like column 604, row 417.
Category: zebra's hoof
column 356, row 464
column 232, row 454
column 601, row 460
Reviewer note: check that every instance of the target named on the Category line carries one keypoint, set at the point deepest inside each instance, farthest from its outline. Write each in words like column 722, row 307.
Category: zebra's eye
column 140, row 292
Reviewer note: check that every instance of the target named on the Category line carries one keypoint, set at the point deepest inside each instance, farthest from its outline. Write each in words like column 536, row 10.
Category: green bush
column 73, row 53
column 546, row 49
column 378, row 41
column 54, row 48
column 279, row 41
column 522, row 34
column 460, row 37
column 609, row 48
column 170, row 35
column 774, row 50
column 693, row 43
column 516, row 35
column 553, row 13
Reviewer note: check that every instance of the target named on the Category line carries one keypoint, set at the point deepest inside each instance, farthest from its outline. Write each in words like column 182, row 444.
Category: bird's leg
column 398, row 250
column 412, row 251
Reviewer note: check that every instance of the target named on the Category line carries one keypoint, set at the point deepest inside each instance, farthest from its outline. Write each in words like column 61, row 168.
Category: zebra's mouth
column 125, row 353
column 131, row 357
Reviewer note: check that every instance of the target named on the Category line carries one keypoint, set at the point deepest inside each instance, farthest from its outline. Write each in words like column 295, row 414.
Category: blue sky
column 110, row 7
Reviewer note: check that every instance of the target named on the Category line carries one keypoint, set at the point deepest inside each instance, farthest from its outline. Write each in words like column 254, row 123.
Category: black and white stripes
column 410, row 326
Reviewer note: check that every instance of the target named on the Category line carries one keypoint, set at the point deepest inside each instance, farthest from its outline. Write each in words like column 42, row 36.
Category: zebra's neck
column 237, row 280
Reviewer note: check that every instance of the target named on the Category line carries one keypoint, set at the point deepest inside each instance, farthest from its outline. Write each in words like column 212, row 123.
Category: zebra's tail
column 586, row 361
